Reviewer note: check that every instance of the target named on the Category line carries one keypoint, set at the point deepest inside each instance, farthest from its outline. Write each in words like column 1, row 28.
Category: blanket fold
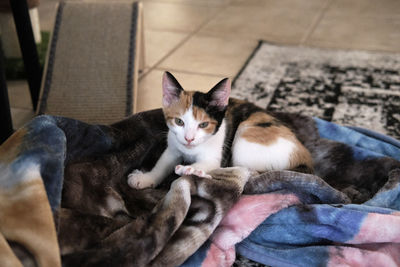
column 65, row 199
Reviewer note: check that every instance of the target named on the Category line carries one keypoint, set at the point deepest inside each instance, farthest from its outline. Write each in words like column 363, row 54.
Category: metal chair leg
column 6, row 128
column 28, row 47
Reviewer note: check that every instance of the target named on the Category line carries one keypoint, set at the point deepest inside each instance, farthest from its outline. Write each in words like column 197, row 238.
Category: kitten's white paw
column 139, row 180
column 189, row 170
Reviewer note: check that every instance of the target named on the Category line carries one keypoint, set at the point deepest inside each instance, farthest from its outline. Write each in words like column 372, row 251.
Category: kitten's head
column 194, row 116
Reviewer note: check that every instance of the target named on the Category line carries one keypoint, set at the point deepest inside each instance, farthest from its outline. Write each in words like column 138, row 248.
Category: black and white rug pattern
column 346, row 87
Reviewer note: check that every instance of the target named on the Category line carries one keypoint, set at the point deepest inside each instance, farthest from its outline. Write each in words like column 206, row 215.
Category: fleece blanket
column 65, row 200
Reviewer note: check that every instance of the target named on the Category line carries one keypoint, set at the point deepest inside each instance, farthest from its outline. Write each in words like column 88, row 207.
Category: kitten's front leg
column 139, row 180
column 164, row 166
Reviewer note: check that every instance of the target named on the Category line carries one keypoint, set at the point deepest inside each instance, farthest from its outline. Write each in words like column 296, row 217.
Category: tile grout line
column 180, row 44
column 190, row 72
column 194, row 3
column 316, row 22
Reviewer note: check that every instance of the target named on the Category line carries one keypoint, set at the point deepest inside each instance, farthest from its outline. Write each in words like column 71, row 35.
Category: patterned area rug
column 346, row 87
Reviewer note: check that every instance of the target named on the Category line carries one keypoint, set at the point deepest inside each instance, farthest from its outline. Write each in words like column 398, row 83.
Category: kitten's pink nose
column 189, row 140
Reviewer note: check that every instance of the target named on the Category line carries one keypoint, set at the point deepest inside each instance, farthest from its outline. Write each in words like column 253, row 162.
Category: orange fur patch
column 262, row 135
column 250, row 131
column 201, row 116
column 301, row 157
column 178, row 108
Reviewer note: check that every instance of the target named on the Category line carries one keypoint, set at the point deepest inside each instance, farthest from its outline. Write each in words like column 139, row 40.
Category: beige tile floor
column 202, row 41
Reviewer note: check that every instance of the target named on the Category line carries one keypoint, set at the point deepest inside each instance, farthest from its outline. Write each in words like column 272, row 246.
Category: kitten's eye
column 203, row 124
column 179, row 122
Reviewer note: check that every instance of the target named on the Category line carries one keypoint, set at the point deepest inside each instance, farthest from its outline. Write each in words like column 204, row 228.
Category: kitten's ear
column 219, row 94
column 171, row 89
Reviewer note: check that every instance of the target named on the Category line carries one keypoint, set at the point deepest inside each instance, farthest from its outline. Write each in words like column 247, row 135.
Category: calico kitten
column 210, row 130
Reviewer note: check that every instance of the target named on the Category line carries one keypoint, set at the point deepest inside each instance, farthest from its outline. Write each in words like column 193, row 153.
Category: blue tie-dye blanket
column 64, row 198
